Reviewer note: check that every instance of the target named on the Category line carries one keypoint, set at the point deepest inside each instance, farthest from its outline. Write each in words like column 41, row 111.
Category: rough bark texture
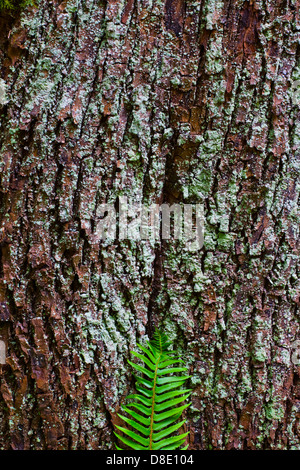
column 166, row 101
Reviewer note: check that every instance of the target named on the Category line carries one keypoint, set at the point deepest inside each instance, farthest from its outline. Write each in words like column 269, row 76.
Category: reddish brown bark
column 176, row 101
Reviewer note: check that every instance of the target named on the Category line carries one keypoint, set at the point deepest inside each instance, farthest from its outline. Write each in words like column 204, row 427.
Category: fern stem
column 153, row 402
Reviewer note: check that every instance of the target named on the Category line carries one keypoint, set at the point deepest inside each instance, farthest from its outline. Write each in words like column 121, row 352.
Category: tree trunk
column 182, row 101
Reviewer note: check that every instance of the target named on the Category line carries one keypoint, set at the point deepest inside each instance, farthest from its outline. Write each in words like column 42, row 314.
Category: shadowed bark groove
column 160, row 101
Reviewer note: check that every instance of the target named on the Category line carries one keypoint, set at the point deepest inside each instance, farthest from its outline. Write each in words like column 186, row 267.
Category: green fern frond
column 159, row 401
column 13, row 5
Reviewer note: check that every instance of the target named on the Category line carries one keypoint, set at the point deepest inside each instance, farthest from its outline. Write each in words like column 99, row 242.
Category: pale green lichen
column 3, row 92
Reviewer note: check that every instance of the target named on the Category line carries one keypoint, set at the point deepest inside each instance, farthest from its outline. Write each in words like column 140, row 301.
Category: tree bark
column 168, row 101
